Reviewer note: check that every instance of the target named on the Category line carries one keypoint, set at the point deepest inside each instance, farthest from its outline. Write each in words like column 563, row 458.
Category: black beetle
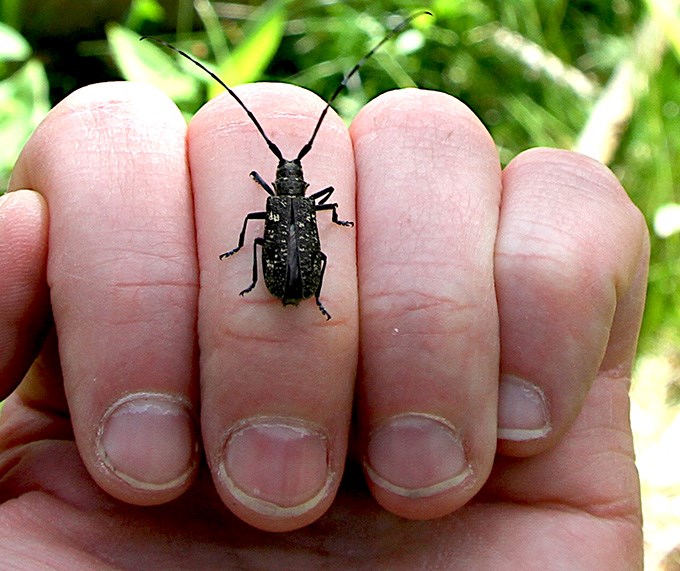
column 292, row 260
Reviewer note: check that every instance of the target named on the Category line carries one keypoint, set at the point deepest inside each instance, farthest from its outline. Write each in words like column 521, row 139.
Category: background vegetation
column 599, row 76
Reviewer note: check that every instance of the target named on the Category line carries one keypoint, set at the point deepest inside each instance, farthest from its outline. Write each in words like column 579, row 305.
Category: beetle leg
column 259, row 180
column 318, row 290
column 326, row 191
column 242, row 236
column 334, row 218
column 257, row 242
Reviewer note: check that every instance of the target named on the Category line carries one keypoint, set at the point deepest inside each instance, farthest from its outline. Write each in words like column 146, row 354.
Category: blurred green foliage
column 533, row 70
column 23, row 96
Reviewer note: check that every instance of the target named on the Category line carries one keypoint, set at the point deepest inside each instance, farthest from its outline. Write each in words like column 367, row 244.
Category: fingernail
column 416, row 455
column 522, row 410
column 276, row 466
column 147, row 440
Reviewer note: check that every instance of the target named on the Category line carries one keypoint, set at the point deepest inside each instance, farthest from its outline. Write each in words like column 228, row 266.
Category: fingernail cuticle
column 147, row 440
column 416, row 455
column 523, row 412
column 277, row 466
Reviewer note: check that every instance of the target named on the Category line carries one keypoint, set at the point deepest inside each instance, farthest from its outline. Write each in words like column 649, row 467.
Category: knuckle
column 428, row 314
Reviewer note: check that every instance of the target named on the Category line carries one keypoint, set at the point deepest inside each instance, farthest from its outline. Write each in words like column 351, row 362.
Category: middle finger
column 276, row 382
column 429, row 182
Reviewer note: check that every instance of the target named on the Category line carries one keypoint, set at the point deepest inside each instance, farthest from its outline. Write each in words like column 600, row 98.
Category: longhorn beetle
column 292, row 260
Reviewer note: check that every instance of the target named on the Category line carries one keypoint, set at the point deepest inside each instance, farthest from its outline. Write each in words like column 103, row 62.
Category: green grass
column 533, row 70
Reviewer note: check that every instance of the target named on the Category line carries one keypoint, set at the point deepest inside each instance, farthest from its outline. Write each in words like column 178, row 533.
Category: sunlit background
column 600, row 76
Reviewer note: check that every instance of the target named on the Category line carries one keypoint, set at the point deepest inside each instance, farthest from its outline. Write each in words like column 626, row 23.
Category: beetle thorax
column 289, row 179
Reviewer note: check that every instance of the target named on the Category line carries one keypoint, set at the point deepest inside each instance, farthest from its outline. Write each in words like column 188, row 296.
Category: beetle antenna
column 390, row 34
column 274, row 149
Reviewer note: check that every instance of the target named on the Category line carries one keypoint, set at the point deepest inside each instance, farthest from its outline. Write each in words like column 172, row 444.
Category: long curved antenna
column 393, row 32
column 274, row 149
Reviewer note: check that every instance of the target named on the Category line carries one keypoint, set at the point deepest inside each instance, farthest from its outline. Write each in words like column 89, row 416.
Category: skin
column 456, row 276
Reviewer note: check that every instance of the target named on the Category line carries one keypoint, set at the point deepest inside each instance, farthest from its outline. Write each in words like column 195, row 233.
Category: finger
column 110, row 161
column 569, row 247
column 276, row 381
column 428, row 191
column 24, row 303
column 591, row 468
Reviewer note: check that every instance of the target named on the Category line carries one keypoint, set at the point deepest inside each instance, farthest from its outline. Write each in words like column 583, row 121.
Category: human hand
column 457, row 281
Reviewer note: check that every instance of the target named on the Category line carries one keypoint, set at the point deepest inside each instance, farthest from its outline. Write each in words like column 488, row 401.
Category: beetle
column 293, row 263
